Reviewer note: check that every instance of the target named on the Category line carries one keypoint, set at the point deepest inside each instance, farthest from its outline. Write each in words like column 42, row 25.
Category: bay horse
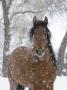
column 35, row 67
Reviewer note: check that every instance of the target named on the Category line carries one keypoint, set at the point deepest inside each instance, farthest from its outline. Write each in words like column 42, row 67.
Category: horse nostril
column 39, row 51
column 36, row 50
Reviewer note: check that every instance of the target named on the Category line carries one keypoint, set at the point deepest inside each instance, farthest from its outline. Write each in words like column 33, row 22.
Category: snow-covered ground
column 60, row 83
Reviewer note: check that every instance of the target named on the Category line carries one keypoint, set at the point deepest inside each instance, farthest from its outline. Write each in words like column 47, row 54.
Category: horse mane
column 38, row 23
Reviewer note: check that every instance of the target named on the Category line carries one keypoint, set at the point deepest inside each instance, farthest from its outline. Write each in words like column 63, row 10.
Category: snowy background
column 15, row 22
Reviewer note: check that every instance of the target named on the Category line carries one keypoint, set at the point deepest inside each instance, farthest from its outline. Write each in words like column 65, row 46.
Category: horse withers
column 35, row 67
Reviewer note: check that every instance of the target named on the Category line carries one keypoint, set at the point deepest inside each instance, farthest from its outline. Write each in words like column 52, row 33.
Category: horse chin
column 35, row 58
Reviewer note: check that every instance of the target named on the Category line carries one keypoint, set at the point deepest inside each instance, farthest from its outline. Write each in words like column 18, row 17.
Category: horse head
column 40, row 35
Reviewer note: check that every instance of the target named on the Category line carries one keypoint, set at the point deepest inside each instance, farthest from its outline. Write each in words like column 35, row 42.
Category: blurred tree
column 62, row 67
column 6, row 34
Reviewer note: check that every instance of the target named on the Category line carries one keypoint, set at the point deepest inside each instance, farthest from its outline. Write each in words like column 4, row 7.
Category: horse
column 34, row 67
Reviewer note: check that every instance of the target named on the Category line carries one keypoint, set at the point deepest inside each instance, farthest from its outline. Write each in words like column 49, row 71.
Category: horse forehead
column 40, row 30
column 40, row 27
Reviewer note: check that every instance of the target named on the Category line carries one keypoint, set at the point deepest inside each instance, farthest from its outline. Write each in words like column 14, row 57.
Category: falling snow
column 57, row 25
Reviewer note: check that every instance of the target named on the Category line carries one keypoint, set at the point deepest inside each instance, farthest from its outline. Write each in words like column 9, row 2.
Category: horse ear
column 34, row 20
column 46, row 20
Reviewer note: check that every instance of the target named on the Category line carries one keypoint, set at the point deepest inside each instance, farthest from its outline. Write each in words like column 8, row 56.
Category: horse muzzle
column 40, row 52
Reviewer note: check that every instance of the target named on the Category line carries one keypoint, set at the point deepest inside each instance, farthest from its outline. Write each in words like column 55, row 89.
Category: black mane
column 40, row 22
